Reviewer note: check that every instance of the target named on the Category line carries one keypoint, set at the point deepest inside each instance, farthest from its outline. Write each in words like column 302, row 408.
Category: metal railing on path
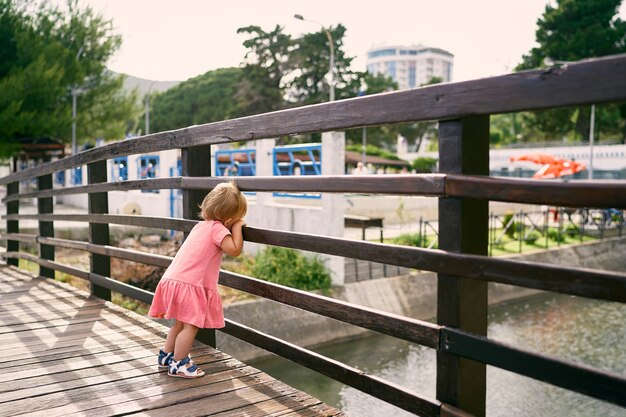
column 463, row 188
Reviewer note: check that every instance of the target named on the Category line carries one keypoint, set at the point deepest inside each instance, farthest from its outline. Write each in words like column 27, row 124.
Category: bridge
column 77, row 354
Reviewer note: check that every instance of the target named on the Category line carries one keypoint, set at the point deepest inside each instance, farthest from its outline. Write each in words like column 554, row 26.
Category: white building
column 410, row 66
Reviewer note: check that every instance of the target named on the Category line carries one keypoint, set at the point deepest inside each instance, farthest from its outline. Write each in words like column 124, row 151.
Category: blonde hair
column 225, row 201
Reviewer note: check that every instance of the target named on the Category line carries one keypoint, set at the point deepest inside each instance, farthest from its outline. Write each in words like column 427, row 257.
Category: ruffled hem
column 187, row 303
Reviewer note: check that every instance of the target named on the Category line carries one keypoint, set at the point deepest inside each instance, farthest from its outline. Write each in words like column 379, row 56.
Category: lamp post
column 332, row 54
column 148, row 108
column 553, row 62
column 74, row 94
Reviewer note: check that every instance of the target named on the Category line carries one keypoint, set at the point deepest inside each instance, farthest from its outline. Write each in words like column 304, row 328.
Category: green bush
column 572, row 231
column 424, row 165
column 533, row 237
column 291, row 268
column 510, row 232
column 554, row 234
column 411, row 239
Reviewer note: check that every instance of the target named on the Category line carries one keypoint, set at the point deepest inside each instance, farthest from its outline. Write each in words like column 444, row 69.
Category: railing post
column 46, row 229
column 463, row 227
column 196, row 162
column 99, row 232
column 13, row 226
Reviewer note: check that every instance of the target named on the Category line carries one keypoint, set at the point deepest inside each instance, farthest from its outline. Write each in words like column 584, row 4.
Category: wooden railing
column 462, row 186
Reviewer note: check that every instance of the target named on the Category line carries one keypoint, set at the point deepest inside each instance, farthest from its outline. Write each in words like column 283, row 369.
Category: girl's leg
column 184, row 341
column 170, row 341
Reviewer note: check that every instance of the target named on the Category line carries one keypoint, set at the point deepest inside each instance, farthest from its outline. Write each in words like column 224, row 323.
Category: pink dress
column 187, row 291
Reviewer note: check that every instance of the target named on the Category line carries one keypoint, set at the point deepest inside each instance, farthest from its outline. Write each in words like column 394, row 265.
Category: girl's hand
column 229, row 223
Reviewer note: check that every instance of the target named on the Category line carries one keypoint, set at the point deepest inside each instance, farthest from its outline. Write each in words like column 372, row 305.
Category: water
column 578, row 329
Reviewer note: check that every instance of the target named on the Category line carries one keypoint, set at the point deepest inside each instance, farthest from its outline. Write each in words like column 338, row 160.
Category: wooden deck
column 64, row 354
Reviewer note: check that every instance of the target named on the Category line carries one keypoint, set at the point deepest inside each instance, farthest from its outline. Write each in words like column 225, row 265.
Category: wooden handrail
column 575, row 193
column 603, row 79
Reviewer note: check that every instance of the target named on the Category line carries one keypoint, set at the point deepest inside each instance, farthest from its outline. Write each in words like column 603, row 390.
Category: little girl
column 187, row 291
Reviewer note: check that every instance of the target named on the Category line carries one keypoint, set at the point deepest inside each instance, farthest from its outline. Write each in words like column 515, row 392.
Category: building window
column 119, row 169
column 77, row 176
column 148, row 167
column 60, row 178
column 382, row 52
column 391, row 69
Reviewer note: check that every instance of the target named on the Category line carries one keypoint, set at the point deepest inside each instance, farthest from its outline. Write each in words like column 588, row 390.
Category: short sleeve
column 218, row 233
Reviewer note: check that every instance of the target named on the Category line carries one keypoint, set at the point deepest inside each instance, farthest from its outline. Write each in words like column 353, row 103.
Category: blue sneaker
column 180, row 369
column 165, row 358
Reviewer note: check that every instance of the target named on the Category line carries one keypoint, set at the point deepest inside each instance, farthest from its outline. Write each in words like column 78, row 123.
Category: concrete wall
column 413, row 295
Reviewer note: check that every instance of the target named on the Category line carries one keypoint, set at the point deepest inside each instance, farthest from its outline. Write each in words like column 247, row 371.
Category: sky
column 167, row 40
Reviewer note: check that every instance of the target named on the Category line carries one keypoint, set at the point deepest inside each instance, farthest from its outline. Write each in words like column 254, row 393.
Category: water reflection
column 581, row 330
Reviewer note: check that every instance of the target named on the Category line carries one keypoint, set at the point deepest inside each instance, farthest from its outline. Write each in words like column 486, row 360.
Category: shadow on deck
column 65, row 354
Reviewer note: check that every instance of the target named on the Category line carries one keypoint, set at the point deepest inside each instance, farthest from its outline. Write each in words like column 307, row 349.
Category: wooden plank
column 369, row 384
column 413, row 184
column 20, row 237
column 131, row 397
column 99, row 232
column 606, row 285
column 279, row 406
column 111, row 369
column 123, row 389
column 422, row 184
column 122, row 253
column 123, row 288
column 129, row 220
column 13, row 226
column 589, row 82
column 463, row 228
column 145, row 184
column 575, row 193
column 217, row 398
column 604, row 385
column 196, row 162
column 143, row 367
column 413, row 330
column 45, row 206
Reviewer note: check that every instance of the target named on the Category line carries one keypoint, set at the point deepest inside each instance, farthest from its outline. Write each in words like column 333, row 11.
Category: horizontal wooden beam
column 129, row 220
column 588, row 82
column 574, row 193
column 146, row 184
column 586, row 380
column 20, row 237
column 122, row 288
column 416, row 331
column 372, row 385
column 606, row 285
column 121, row 253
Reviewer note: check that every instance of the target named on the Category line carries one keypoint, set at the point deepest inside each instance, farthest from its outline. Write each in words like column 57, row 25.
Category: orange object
column 552, row 167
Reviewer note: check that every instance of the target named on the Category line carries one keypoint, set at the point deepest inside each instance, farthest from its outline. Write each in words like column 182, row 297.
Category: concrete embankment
column 413, row 295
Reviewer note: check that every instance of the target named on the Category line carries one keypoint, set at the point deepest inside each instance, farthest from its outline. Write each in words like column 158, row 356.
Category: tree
column 206, row 98
column 292, row 72
column 574, row 30
column 44, row 54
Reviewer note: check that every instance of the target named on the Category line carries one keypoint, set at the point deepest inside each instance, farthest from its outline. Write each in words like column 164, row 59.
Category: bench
column 363, row 222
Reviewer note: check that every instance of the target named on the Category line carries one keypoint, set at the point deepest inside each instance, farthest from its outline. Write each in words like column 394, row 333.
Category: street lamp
column 552, row 62
column 74, row 94
column 148, row 108
column 332, row 54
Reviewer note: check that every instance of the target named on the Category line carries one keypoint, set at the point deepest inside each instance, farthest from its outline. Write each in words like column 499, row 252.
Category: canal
column 581, row 330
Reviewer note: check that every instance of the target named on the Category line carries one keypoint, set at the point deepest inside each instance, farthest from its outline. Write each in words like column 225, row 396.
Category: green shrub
column 411, row 239
column 554, row 234
column 291, row 268
column 533, row 237
column 424, row 165
column 510, row 232
column 572, row 231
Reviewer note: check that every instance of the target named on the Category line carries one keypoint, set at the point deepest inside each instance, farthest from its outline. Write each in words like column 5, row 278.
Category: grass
column 507, row 246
